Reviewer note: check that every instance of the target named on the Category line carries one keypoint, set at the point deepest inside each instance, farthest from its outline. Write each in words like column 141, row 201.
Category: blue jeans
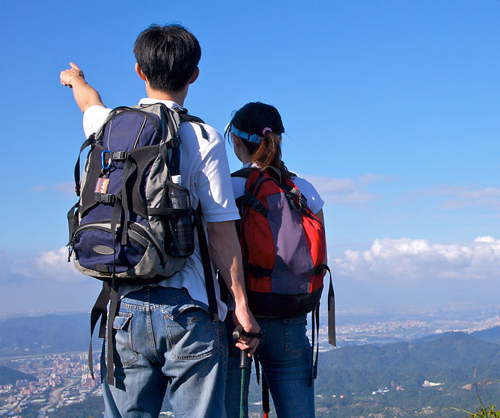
column 284, row 352
column 165, row 344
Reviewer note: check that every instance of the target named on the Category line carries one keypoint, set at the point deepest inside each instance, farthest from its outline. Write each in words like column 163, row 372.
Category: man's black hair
column 168, row 56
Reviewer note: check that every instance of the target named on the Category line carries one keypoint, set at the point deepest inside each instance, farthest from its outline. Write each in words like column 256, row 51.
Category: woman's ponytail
column 259, row 126
column 269, row 153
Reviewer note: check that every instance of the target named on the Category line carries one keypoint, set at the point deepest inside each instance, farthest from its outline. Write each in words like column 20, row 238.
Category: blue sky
column 391, row 108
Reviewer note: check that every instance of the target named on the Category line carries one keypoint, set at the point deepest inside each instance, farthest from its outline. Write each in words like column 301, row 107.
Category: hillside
column 448, row 358
column 44, row 334
column 348, row 377
column 492, row 335
column 9, row 376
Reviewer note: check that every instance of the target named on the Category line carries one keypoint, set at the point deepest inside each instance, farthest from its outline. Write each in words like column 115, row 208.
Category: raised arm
column 85, row 95
column 226, row 256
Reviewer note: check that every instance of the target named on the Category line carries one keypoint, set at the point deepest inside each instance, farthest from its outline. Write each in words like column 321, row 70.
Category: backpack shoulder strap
column 185, row 117
column 274, row 172
column 207, row 268
column 202, row 239
column 244, row 172
column 248, row 198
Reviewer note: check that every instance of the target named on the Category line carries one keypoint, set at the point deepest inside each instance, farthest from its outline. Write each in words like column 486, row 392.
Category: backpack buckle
column 302, row 203
column 180, row 110
column 70, row 246
column 256, row 204
column 119, row 156
column 105, row 198
column 173, row 142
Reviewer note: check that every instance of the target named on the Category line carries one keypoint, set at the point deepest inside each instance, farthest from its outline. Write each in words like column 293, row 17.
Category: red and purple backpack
column 283, row 246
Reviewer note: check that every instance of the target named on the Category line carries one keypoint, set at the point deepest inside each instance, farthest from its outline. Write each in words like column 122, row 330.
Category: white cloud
column 419, row 260
column 462, row 196
column 44, row 283
column 345, row 192
column 40, row 188
column 54, row 265
column 48, row 266
column 65, row 189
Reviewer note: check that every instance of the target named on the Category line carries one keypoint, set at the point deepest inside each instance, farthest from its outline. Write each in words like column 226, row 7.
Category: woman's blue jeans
column 284, row 353
column 166, row 344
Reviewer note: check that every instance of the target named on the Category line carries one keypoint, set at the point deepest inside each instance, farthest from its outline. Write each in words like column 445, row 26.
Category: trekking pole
column 244, row 367
column 265, row 396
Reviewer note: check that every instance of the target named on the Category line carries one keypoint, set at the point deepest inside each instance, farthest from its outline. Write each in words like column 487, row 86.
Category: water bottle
column 182, row 244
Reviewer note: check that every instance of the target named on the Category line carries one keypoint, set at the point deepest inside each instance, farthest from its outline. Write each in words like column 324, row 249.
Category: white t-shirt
column 205, row 172
column 314, row 200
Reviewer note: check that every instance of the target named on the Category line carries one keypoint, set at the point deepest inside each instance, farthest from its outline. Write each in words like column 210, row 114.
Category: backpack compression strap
column 99, row 311
column 332, row 335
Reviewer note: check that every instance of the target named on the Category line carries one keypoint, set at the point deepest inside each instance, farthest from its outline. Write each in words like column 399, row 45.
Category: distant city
column 64, row 379
column 358, row 327
column 61, row 380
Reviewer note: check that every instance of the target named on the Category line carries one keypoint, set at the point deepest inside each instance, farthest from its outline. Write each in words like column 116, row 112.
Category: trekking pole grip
column 244, row 359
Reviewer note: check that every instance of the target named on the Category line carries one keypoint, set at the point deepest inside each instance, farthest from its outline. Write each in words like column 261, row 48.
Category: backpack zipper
column 142, row 112
column 134, row 227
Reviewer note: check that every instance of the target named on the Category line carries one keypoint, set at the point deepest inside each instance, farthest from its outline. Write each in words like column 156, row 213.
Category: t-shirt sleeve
column 93, row 118
column 314, row 200
column 238, row 186
column 214, row 186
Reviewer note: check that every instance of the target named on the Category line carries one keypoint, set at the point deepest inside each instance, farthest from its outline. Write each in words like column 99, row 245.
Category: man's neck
column 173, row 96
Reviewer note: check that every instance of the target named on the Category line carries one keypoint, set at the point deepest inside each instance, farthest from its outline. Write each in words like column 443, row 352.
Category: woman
column 284, row 351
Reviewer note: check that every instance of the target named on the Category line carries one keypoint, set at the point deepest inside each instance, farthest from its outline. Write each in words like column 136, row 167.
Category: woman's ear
column 240, row 149
column 237, row 146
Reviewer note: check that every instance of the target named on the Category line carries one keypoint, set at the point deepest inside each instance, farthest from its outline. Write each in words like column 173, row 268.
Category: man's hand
column 85, row 95
column 68, row 76
column 247, row 322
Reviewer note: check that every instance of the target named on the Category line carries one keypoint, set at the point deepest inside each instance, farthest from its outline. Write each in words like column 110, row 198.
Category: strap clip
column 105, row 198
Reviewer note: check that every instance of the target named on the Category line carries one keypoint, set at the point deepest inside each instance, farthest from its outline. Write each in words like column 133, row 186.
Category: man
column 166, row 341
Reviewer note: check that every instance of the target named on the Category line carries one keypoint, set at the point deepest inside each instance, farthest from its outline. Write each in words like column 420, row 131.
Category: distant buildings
column 62, row 380
column 428, row 384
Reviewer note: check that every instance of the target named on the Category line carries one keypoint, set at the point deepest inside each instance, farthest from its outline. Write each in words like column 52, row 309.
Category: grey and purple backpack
column 133, row 222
